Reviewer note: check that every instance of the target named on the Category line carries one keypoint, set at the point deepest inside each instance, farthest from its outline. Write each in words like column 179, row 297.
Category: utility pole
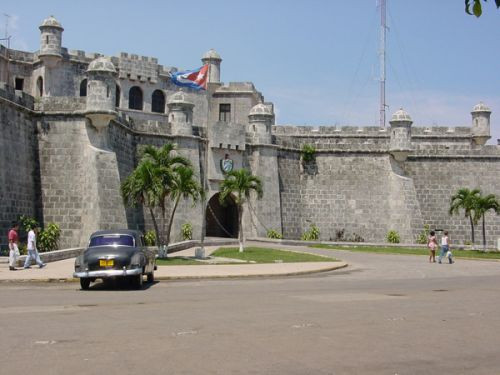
column 7, row 38
column 383, row 28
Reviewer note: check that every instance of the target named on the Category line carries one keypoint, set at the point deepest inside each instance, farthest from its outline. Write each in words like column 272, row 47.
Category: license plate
column 106, row 262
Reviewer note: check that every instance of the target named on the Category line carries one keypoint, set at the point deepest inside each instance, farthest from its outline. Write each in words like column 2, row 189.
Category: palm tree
column 142, row 187
column 465, row 199
column 483, row 205
column 183, row 185
column 239, row 183
column 150, row 183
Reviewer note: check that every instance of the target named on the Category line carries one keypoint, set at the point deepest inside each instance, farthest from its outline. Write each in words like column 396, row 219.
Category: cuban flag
column 196, row 79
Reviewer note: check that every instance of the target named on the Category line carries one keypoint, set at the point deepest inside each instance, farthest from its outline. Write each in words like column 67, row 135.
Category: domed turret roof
column 261, row 109
column 101, row 64
column 401, row 115
column 211, row 54
column 481, row 107
column 51, row 22
column 179, row 97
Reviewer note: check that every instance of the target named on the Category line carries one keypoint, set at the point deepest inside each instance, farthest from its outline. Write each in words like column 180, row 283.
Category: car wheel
column 151, row 277
column 138, row 281
column 84, row 283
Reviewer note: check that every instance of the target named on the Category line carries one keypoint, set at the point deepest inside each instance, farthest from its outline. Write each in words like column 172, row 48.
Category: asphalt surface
column 384, row 314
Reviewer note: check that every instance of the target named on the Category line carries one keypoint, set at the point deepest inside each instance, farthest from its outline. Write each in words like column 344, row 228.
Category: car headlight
column 79, row 262
column 136, row 260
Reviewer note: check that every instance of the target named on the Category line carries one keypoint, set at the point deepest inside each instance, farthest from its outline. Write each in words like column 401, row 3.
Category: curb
column 339, row 265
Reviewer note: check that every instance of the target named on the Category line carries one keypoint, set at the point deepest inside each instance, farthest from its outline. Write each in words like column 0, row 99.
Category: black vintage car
column 115, row 254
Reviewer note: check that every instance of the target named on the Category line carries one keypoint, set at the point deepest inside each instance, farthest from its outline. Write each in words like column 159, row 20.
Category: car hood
column 98, row 252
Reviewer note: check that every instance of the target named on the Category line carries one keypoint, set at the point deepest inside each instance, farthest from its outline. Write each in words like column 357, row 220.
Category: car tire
column 137, row 281
column 84, row 283
column 151, row 277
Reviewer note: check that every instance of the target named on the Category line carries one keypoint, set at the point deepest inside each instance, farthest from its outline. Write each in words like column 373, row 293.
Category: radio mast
column 383, row 28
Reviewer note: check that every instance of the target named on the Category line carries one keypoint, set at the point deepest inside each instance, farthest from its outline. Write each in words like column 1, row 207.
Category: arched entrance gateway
column 222, row 221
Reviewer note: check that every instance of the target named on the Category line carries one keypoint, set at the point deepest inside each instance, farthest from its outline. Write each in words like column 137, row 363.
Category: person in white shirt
column 445, row 248
column 32, row 251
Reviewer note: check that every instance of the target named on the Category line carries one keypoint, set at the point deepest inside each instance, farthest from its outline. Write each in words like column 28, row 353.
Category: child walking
column 432, row 244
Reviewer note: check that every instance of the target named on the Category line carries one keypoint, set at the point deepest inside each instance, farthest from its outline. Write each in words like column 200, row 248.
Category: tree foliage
column 484, row 204
column 239, row 184
column 183, row 185
column 477, row 7
column 151, row 183
column 465, row 199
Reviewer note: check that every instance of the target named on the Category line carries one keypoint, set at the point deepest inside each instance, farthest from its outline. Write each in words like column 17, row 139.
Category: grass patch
column 412, row 251
column 177, row 261
column 267, row 255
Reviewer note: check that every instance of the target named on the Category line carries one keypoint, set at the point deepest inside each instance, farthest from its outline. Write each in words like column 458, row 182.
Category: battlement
column 368, row 131
column 245, row 87
column 132, row 56
column 330, row 131
column 61, row 104
column 16, row 96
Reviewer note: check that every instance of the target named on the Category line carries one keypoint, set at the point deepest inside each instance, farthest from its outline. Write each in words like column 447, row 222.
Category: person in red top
column 13, row 249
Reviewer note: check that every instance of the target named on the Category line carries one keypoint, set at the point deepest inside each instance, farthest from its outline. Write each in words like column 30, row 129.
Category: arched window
column 83, row 88
column 158, row 102
column 135, row 98
column 117, row 97
column 39, row 86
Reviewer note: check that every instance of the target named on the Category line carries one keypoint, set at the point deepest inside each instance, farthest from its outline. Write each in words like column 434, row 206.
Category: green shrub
column 312, row 234
column 187, row 231
column 48, row 238
column 150, row 238
column 423, row 237
column 27, row 223
column 393, row 237
column 356, row 238
column 271, row 233
column 308, row 153
column 23, row 249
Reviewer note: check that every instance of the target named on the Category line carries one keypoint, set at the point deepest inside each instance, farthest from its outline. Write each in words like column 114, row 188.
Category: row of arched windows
column 135, row 98
column 136, row 101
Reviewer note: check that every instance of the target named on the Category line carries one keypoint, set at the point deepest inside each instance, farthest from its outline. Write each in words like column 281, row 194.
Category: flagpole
column 205, row 174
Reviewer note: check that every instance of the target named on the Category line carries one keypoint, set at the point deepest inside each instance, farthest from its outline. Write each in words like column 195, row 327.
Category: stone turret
column 400, row 144
column 213, row 59
column 260, row 120
column 180, row 114
column 101, row 91
column 480, row 124
column 50, row 41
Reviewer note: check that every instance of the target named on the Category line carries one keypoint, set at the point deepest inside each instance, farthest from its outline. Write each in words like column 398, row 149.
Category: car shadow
column 119, row 285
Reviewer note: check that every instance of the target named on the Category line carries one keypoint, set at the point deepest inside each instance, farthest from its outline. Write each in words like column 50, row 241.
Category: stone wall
column 19, row 169
column 437, row 178
column 80, row 180
column 362, row 194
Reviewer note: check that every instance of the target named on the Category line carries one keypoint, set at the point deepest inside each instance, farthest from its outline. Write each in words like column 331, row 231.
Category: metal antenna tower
column 383, row 29
column 7, row 36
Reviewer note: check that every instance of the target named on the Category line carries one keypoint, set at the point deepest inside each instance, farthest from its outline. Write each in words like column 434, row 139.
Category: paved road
column 385, row 314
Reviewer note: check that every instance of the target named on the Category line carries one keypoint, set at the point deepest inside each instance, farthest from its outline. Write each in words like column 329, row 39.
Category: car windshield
column 112, row 240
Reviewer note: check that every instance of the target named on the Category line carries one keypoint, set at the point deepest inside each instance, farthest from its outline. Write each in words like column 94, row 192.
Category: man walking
column 13, row 249
column 32, row 250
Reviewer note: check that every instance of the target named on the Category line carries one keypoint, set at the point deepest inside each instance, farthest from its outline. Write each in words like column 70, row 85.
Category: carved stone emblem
column 226, row 164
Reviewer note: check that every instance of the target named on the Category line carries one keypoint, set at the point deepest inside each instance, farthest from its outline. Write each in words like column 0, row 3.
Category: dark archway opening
column 222, row 221
column 158, row 102
column 83, row 88
column 135, row 98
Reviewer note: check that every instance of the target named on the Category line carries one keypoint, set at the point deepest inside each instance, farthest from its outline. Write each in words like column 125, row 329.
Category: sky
column 316, row 60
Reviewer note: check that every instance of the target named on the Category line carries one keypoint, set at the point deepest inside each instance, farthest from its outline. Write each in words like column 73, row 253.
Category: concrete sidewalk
column 63, row 270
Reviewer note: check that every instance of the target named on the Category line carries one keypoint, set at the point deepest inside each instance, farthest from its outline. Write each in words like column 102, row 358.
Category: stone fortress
column 72, row 125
